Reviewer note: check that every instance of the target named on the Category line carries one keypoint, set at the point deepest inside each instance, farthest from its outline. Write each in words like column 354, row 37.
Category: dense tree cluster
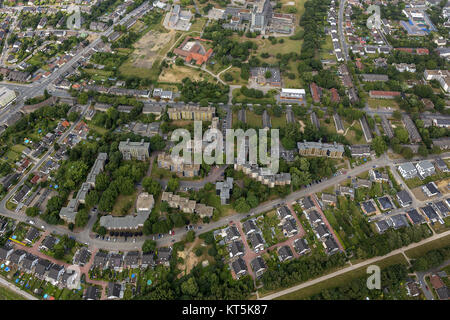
column 203, row 92
column 431, row 259
column 287, row 274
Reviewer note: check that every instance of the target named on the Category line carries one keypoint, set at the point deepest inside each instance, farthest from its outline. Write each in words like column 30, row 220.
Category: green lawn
column 382, row 103
column 278, row 122
column 253, row 119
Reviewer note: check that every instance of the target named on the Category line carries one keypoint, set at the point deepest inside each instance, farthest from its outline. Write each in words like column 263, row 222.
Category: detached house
column 284, row 253
column 236, row 248
column 258, row 266
column 257, row 241
column 301, row 246
column 249, row 226
column 404, row 198
column 239, row 267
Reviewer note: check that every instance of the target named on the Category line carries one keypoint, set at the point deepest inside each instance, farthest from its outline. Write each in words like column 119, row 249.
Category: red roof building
column 315, row 92
column 436, row 281
column 334, row 95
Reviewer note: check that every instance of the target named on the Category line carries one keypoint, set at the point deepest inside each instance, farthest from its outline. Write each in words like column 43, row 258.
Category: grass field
column 253, row 119
column 421, row 250
column 198, row 25
column 340, row 280
column 121, row 202
column 298, row 4
column 8, row 294
column 325, row 49
column 236, row 73
column 278, row 122
column 382, row 103
column 351, row 135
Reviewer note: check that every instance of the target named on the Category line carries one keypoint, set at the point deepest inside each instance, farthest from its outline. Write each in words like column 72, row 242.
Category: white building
column 292, row 94
column 407, row 170
column 425, row 168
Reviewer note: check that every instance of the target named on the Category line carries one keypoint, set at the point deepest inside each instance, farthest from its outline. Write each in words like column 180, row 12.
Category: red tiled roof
column 422, row 51
column 315, row 92
column 334, row 95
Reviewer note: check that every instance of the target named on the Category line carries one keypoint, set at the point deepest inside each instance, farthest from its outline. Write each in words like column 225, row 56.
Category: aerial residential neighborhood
column 99, row 202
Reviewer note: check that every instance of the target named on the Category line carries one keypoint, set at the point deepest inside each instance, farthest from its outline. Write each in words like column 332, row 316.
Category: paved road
column 341, row 30
column 353, row 267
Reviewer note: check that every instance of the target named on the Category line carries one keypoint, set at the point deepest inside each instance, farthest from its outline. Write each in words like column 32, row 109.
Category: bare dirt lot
column 190, row 259
column 177, row 73
column 148, row 48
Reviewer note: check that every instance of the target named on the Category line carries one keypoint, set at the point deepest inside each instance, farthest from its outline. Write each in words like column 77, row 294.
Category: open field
column 351, row 135
column 287, row 5
column 325, row 49
column 253, row 119
column 148, row 53
column 175, row 74
column 278, row 122
column 198, row 24
column 122, row 202
column 382, row 103
column 340, row 280
column 236, row 74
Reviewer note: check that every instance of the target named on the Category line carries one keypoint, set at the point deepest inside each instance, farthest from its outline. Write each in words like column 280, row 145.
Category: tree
column 241, row 205
column 151, row 186
column 149, row 246
column 173, row 185
column 125, row 186
column 92, row 198
column 179, row 61
column 75, row 174
column 101, row 231
column 407, row 153
column 401, row 134
column 73, row 116
column 379, row 145
column 82, row 218
column 101, row 181
column 189, row 287
column 32, row 211
column 396, row 114
column 268, row 74
column 157, row 143
column 190, row 236
column 423, row 151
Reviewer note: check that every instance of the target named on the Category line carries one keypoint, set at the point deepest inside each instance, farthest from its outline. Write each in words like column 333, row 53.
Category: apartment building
column 186, row 205
column 191, row 113
column 182, row 169
column 319, row 149
column 135, row 150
